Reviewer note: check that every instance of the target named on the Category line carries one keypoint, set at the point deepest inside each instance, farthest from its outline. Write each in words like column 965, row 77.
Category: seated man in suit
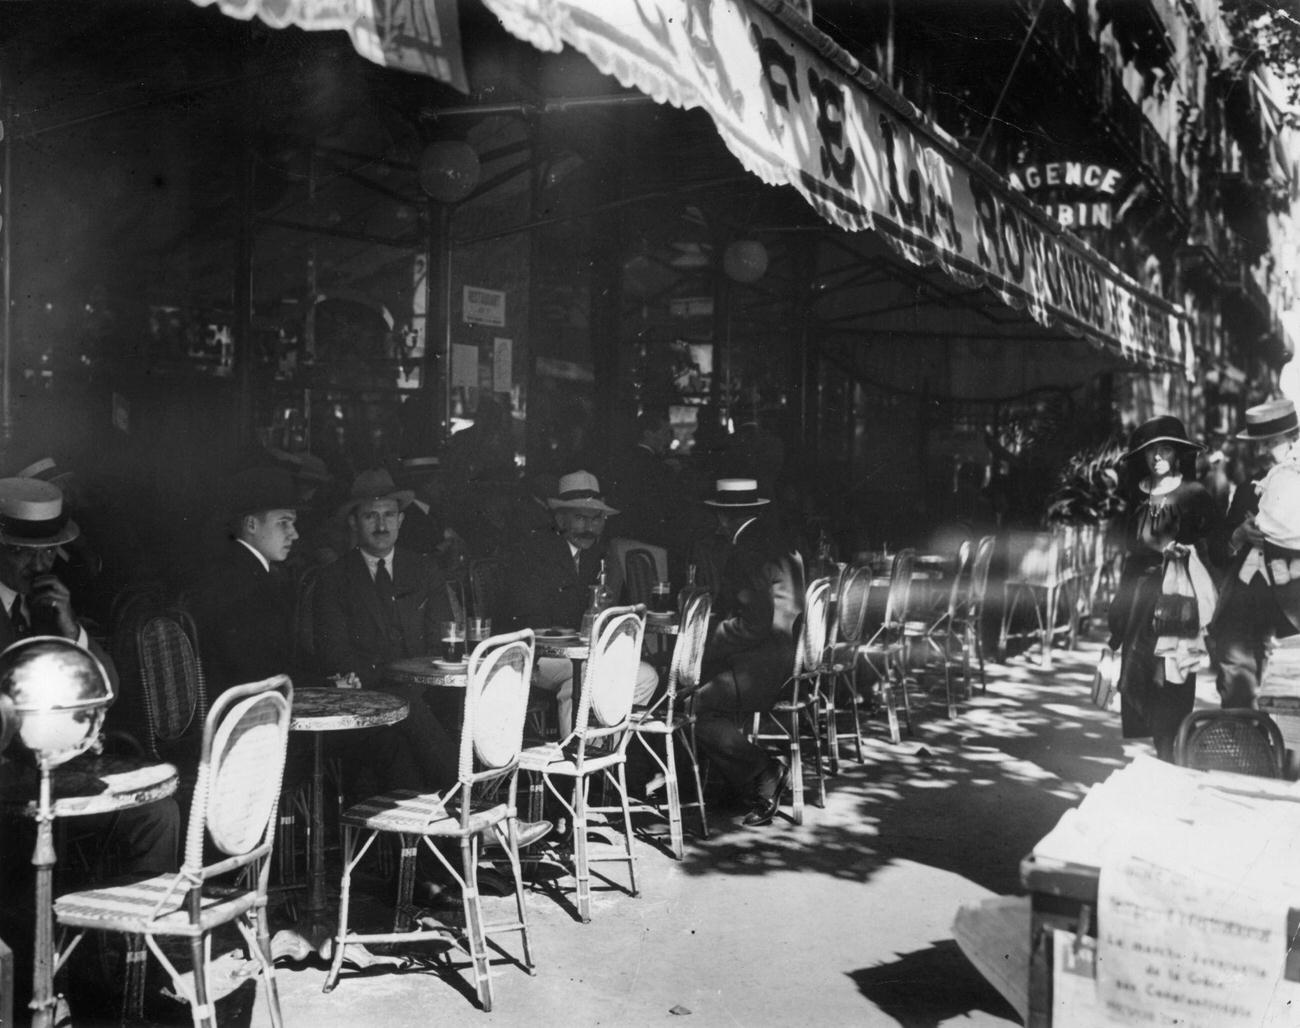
column 381, row 602
column 750, row 654
column 551, row 575
column 145, row 840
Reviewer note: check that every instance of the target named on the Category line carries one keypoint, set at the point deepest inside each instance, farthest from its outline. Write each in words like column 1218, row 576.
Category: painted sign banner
column 796, row 110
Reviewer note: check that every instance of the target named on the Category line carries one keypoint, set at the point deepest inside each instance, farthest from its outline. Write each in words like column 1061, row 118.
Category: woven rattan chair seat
column 550, row 758
column 404, row 810
column 129, row 907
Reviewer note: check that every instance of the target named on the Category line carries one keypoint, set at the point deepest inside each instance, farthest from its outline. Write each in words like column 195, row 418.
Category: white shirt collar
column 256, row 553
column 372, row 563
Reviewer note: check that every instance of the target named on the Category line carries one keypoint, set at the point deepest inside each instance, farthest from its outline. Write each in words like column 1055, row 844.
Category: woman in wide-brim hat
column 1167, row 508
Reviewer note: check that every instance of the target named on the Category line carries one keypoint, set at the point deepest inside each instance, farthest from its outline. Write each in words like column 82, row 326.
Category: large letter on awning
column 797, row 110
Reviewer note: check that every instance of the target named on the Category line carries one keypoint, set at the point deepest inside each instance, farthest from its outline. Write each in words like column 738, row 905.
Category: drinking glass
column 478, row 630
column 453, row 642
column 661, row 598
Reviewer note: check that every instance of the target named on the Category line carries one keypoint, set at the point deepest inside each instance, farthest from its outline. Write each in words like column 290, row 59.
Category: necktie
column 18, row 619
column 577, row 563
column 383, row 582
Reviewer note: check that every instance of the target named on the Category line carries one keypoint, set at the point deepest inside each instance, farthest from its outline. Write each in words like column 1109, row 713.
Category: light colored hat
column 375, row 484
column 32, row 514
column 737, row 493
column 580, row 490
column 46, row 470
column 1267, row 420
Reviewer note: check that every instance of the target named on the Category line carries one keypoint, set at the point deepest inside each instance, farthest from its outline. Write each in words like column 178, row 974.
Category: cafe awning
column 798, row 110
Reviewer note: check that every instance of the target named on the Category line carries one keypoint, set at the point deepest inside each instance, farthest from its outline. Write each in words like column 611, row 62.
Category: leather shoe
column 767, row 804
column 528, row 833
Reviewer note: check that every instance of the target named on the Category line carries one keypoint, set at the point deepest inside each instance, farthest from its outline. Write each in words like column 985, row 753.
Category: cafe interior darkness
column 223, row 235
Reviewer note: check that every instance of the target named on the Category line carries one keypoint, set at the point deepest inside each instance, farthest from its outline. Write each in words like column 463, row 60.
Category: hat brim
column 1247, row 437
column 585, row 504
column 402, row 496
column 748, row 505
column 1185, row 443
column 66, row 534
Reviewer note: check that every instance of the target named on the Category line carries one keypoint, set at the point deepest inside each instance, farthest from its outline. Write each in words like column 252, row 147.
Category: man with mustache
column 381, row 602
column 551, row 575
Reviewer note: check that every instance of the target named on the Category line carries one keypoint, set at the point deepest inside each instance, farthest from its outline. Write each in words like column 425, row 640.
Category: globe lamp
column 448, row 170
column 745, row 261
column 59, row 694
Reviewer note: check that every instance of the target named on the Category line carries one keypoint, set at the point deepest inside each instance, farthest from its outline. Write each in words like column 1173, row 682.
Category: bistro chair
column 851, row 613
column 970, row 615
column 232, row 816
column 1042, row 577
column 597, row 745
column 641, row 573
column 487, row 588
column 175, row 694
column 671, row 719
column 480, row 806
column 885, row 651
column 940, row 636
column 789, row 717
column 1248, row 742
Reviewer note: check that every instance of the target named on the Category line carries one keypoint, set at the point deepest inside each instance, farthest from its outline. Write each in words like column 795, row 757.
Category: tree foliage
column 1266, row 33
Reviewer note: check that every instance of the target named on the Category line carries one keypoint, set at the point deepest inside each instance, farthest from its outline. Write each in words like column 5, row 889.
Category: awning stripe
column 797, row 110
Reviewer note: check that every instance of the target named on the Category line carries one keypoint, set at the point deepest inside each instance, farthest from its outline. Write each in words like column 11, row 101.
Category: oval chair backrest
column 496, row 701
column 816, row 624
column 487, row 582
column 641, row 574
column 900, row 587
column 171, row 675
column 851, row 611
column 960, row 585
column 1245, row 741
column 979, row 573
column 688, row 653
column 609, row 680
column 243, row 766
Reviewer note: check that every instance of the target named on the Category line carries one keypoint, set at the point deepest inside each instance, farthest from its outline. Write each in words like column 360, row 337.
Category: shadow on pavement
column 931, row 987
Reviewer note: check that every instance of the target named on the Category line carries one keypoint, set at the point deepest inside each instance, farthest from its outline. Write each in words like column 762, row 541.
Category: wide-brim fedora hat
column 736, row 494
column 1269, row 420
column 1162, row 429
column 580, row 490
column 258, row 489
column 375, row 484
column 32, row 514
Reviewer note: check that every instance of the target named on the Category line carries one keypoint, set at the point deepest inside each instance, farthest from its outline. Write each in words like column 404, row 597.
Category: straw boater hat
column 580, row 490
column 32, row 514
column 1163, row 429
column 375, row 484
column 46, row 470
column 736, row 494
column 254, row 490
column 1267, row 420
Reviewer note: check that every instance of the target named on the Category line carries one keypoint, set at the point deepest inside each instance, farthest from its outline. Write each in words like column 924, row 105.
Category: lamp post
column 58, row 693
column 448, row 173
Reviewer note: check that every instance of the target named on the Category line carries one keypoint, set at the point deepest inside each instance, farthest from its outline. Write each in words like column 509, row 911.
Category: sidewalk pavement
column 845, row 920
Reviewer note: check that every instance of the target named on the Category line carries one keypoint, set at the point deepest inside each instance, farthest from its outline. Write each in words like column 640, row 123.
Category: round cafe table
column 85, row 785
column 425, row 671
column 320, row 710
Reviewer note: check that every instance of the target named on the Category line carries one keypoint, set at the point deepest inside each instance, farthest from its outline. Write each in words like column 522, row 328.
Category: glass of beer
column 477, row 630
column 453, row 642
column 661, row 598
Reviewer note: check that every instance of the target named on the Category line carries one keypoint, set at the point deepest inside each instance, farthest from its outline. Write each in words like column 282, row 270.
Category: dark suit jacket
column 244, row 615
column 543, row 588
column 352, row 631
column 760, row 600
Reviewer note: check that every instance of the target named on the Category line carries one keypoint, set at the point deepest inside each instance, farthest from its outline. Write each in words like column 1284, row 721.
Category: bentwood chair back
column 175, row 694
column 480, row 805
column 851, row 613
column 971, row 615
column 797, row 713
column 885, row 652
column 641, row 574
column 1248, row 742
column 941, row 636
column 597, row 745
column 672, row 720
column 233, row 817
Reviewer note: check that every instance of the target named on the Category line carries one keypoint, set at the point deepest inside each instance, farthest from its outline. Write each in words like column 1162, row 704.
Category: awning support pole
column 1006, row 85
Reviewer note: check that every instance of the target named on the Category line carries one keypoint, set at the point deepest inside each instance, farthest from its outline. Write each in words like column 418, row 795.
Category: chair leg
column 581, row 866
column 345, row 897
column 263, row 935
column 817, row 754
column 891, row 709
column 675, row 833
column 474, row 934
column 826, row 698
column 689, row 742
column 796, row 768
column 1010, row 600
column 1047, row 625
column 850, row 679
column 627, row 827
column 137, row 957
column 511, row 844
column 201, row 1011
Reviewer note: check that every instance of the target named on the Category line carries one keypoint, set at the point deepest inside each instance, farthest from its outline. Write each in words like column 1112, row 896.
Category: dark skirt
column 1149, row 705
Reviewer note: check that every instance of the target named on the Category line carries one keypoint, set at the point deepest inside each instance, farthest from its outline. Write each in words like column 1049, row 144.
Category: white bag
column 1105, row 681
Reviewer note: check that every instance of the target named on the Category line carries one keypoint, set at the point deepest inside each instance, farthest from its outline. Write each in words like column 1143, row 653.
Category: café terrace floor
column 846, row 920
